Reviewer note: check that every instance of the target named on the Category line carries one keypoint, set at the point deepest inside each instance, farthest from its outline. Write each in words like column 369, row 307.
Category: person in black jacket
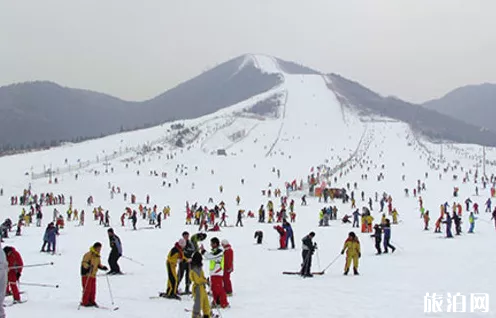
column 115, row 253
column 378, row 238
column 184, row 266
column 308, row 248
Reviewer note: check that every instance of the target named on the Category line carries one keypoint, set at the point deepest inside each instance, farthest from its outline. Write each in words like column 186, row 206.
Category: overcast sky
column 414, row 49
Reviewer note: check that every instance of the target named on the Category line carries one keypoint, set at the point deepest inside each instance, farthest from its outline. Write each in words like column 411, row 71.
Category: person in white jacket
column 216, row 258
column 4, row 266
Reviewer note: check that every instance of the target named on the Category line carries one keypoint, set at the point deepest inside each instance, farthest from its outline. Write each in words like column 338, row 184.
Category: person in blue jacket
column 115, row 253
column 356, row 222
column 289, row 233
column 386, row 229
column 50, row 238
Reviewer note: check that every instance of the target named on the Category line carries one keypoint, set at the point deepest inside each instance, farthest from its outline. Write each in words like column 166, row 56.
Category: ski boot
column 355, row 271
column 346, row 272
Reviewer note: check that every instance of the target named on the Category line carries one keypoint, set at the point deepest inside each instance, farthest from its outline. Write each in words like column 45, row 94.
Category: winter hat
column 182, row 243
column 224, row 242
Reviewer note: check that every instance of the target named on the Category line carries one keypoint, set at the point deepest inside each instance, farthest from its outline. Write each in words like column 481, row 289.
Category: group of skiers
column 188, row 254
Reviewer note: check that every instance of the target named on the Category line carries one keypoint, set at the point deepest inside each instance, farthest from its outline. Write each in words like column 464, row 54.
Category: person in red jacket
column 228, row 266
column 282, row 236
column 15, row 262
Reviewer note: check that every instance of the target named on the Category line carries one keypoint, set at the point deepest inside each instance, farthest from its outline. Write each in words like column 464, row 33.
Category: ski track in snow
column 389, row 286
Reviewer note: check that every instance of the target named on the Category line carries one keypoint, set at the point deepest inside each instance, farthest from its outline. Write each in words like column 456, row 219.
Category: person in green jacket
column 196, row 238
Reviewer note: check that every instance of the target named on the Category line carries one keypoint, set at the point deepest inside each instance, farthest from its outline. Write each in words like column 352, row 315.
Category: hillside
column 43, row 113
column 473, row 104
column 40, row 114
column 431, row 123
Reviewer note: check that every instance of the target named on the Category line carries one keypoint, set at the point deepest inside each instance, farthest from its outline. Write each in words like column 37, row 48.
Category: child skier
column 197, row 276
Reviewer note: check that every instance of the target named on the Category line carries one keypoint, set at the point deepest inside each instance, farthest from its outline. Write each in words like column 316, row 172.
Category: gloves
column 359, row 254
column 105, row 268
column 18, row 275
column 342, row 252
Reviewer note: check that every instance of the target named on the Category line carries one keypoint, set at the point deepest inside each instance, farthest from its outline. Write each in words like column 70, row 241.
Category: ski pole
column 110, row 290
column 333, row 261
column 40, row 285
column 32, row 265
column 132, row 260
column 318, row 259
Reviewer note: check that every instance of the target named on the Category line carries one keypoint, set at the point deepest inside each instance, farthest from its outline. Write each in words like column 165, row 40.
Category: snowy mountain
column 43, row 113
column 473, row 104
column 298, row 127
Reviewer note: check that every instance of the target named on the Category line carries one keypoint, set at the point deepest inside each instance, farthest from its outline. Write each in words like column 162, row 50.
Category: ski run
column 325, row 169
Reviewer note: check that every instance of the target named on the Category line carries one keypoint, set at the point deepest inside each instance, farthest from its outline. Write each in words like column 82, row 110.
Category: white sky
column 414, row 49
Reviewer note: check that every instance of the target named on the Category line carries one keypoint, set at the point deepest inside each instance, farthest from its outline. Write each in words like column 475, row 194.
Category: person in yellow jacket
column 175, row 256
column 352, row 248
column 395, row 216
column 200, row 297
column 89, row 267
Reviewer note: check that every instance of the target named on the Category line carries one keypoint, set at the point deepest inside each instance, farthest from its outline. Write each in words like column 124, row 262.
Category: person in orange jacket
column 16, row 264
column 228, row 266
column 90, row 265
column 352, row 249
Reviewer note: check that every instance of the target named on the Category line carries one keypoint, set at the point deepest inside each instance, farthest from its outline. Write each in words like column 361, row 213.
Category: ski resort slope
column 312, row 130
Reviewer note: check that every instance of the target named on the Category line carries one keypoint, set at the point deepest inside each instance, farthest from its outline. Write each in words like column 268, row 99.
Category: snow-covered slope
column 303, row 127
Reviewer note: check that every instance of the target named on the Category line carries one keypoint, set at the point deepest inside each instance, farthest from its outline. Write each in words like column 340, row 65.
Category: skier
column 308, row 248
column 458, row 221
column 352, row 248
column 448, row 226
column 89, row 267
column 289, row 233
column 488, row 205
column 115, row 253
column 494, row 216
column 175, row 255
column 259, row 237
column 184, row 268
column 50, row 238
column 228, row 266
column 15, row 264
column 197, row 276
column 356, row 222
column 4, row 267
column 282, row 236
column 471, row 221
column 196, row 238
column 216, row 258
column 240, row 218
column 426, row 220
column 386, row 228
column 378, row 238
